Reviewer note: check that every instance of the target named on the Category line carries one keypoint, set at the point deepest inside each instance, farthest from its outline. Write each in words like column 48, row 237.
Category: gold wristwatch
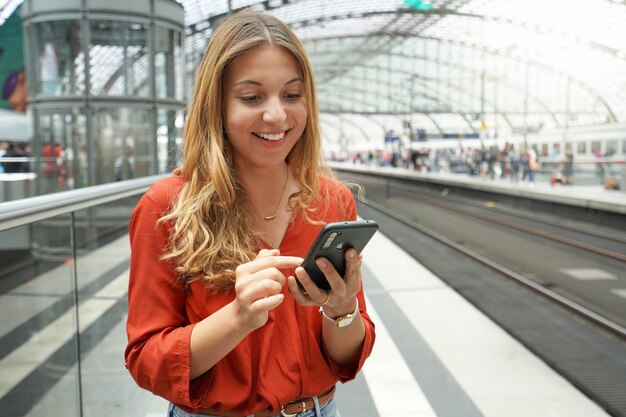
column 341, row 321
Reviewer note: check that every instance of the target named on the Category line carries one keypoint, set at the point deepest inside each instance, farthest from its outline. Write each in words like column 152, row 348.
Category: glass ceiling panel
column 198, row 10
column 422, row 121
column 305, row 10
column 473, row 56
column 450, row 123
column 470, row 57
column 351, row 128
column 344, row 27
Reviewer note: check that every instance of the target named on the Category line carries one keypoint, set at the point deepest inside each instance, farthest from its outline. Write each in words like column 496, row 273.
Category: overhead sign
column 419, row 4
column 392, row 139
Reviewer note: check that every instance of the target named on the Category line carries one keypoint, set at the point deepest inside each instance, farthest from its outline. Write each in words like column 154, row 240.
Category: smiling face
column 265, row 110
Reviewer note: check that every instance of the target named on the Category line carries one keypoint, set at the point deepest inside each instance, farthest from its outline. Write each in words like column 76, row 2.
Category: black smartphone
column 332, row 242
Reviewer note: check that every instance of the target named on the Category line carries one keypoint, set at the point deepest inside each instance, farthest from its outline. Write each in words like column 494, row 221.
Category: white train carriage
column 593, row 147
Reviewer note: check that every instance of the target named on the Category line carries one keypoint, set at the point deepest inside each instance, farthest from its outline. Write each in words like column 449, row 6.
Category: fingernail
column 321, row 263
column 352, row 253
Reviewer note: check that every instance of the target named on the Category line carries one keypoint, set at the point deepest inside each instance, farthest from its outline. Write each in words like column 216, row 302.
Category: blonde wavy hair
column 209, row 225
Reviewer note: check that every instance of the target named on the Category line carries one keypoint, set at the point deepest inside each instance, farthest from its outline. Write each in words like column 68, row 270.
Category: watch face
column 345, row 320
column 341, row 321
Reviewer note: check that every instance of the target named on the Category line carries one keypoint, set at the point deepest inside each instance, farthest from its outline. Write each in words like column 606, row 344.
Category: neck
column 266, row 188
column 266, row 179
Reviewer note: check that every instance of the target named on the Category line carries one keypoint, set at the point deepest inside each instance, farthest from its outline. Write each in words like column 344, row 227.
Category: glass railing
column 64, row 262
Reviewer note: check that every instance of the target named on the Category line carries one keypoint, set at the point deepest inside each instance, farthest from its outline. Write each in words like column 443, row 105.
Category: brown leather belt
column 290, row 409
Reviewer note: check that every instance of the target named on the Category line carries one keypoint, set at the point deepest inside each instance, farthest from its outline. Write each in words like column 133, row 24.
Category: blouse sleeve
column 348, row 372
column 158, row 350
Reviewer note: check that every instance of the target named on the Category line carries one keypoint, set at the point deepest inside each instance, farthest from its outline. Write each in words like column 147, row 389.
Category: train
column 591, row 146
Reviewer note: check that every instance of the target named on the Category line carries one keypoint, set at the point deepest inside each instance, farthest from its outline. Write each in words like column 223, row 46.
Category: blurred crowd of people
column 487, row 162
column 15, row 158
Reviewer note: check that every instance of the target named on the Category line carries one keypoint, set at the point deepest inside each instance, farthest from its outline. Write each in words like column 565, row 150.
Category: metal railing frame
column 33, row 209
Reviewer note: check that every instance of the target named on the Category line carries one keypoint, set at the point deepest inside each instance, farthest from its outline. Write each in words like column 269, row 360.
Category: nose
column 274, row 112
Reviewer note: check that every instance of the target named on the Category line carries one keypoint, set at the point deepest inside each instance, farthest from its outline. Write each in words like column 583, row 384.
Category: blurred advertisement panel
column 12, row 74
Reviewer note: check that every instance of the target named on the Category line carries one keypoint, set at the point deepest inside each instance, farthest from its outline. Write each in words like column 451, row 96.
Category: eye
column 249, row 99
column 293, row 96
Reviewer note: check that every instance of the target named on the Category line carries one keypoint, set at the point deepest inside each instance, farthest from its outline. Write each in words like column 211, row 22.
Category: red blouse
column 272, row 365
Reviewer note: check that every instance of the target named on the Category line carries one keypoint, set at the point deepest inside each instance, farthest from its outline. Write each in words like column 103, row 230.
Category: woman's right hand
column 258, row 287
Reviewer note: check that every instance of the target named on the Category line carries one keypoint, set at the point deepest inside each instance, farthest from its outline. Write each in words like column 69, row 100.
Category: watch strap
column 342, row 320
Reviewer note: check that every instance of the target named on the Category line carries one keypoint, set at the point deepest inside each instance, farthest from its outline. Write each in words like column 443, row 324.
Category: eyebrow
column 293, row 80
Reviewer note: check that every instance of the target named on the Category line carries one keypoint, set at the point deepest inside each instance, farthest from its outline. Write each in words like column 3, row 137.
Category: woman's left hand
column 341, row 298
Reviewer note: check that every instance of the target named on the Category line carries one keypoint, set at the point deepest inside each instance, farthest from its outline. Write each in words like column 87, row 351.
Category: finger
column 267, row 287
column 273, row 274
column 244, row 281
column 300, row 297
column 268, row 303
column 261, row 289
column 335, row 280
column 352, row 277
column 280, row 262
column 316, row 294
column 267, row 252
column 353, row 263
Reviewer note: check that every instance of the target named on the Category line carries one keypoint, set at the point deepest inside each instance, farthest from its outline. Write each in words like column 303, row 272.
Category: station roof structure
column 447, row 66
column 454, row 65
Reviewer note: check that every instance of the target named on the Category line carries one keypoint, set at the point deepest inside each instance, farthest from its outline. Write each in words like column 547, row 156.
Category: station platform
column 435, row 355
column 585, row 196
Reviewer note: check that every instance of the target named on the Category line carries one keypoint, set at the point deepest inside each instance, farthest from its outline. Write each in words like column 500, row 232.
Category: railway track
column 406, row 203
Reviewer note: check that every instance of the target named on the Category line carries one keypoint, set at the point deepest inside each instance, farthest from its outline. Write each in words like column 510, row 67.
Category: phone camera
column 329, row 240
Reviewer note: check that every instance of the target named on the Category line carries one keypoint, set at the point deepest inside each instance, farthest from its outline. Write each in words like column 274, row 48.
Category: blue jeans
column 327, row 410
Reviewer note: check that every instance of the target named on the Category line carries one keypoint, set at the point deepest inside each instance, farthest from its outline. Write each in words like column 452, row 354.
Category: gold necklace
column 273, row 216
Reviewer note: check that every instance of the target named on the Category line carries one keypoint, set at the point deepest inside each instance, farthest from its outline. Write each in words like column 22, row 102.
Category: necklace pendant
column 268, row 218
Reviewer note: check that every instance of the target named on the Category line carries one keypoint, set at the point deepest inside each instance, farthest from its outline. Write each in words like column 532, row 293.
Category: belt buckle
column 286, row 414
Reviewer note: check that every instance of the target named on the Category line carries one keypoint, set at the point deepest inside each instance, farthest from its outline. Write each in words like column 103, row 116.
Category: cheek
column 300, row 113
column 237, row 117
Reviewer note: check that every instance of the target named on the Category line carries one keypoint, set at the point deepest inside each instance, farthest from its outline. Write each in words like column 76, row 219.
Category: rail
column 32, row 209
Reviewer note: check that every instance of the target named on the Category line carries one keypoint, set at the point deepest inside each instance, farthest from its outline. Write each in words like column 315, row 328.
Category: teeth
column 277, row 136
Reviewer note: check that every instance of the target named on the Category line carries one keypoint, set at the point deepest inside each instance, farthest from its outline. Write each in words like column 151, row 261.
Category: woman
column 217, row 324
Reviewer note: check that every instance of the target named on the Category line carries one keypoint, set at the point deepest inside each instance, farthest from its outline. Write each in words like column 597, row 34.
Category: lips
column 271, row 136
